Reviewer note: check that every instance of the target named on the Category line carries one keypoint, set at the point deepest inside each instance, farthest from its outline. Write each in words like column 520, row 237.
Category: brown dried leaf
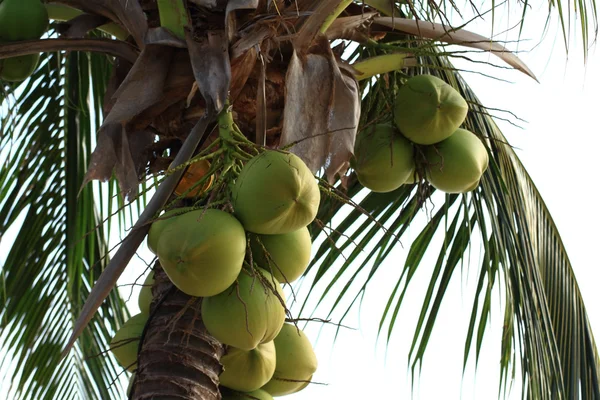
column 80, row 25
column 322, row 111
column 128, row 13
column 230, row 21
column 450, row 35
column 210, row 61
column 164, row 37
column 142, row 88
column 124, row 152
column 241, row 68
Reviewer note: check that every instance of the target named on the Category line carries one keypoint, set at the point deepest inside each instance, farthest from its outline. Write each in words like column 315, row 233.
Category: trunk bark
column 179, row 359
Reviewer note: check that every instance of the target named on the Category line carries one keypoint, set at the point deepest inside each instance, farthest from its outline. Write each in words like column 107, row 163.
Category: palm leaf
column 546, row 325
column 57, row 253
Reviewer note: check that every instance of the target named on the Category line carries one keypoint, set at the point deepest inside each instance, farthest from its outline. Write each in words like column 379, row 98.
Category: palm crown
column 157, row 80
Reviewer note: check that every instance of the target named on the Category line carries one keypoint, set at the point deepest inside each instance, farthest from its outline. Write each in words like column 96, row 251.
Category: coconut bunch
column 237, row 263
column 21, row 20
column 423, row 141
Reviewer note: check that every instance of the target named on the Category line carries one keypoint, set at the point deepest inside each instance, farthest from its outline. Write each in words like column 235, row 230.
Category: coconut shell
column 157, row 226
column 457, row 164
column 427, row 110
column 296, row 362
column 246, row 314
column 124, row 345
column 202, row 251
column 255, row 395
column 248, row 370
column 288, row 254
column 17, row 69
column 188, row 185
column 275, row 193
column 22, row 20
column 383, row 159
column 145, row 296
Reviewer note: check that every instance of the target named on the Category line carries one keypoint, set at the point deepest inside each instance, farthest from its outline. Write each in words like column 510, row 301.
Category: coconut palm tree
column 129, row 93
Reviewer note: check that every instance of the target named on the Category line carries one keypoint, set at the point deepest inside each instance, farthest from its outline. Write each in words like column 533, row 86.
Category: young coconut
column 202, row 251
column 288, row 254
column 457, row 164
column 296, row 362
column 145, row 296
column 22, row 20
column 124, row 345
column 255, row 395
column 17, row 69
column 275, row 193
column 383, row 159
column 248, row 370
column 161, row 222
column 428, row 110
column 246, row 314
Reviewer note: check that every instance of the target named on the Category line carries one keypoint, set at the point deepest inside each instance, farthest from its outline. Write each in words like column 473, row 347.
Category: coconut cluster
column 425, row 133
column 21, row 20
column 203, row 252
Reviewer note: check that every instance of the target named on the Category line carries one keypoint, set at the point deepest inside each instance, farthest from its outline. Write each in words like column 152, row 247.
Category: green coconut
column 246, row 314
column 255, row 395
column 383, row 159
column 159, row 224
column 22, row 20
column 248, row 370
column 296, row 362
column 275, row 193
column 427, row 110
column 202, row 251
column 288, row 253
column 145, row 296
column 457, row 164
column 17, row 69
column 124, row 345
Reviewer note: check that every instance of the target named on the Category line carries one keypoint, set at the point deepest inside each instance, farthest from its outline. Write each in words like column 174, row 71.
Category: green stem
column 173, row 16
column 333, row 16
column 59, row 12
column 380, row 65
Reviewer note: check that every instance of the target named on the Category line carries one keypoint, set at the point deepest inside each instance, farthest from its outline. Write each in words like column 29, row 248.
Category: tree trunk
column 179, row 359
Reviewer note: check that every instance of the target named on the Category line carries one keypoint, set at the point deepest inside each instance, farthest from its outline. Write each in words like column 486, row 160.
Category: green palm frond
column 48, row 126
column 545, row 324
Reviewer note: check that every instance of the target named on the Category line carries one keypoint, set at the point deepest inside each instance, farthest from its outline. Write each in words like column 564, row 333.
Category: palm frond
column 545, row 325
column 58, row 249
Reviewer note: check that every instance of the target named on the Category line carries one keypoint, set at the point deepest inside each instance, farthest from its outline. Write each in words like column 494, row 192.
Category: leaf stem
column 173, row 16
column 59, row 12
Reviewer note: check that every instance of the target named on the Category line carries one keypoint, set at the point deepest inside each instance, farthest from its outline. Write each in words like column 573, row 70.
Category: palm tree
column 156, row 80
